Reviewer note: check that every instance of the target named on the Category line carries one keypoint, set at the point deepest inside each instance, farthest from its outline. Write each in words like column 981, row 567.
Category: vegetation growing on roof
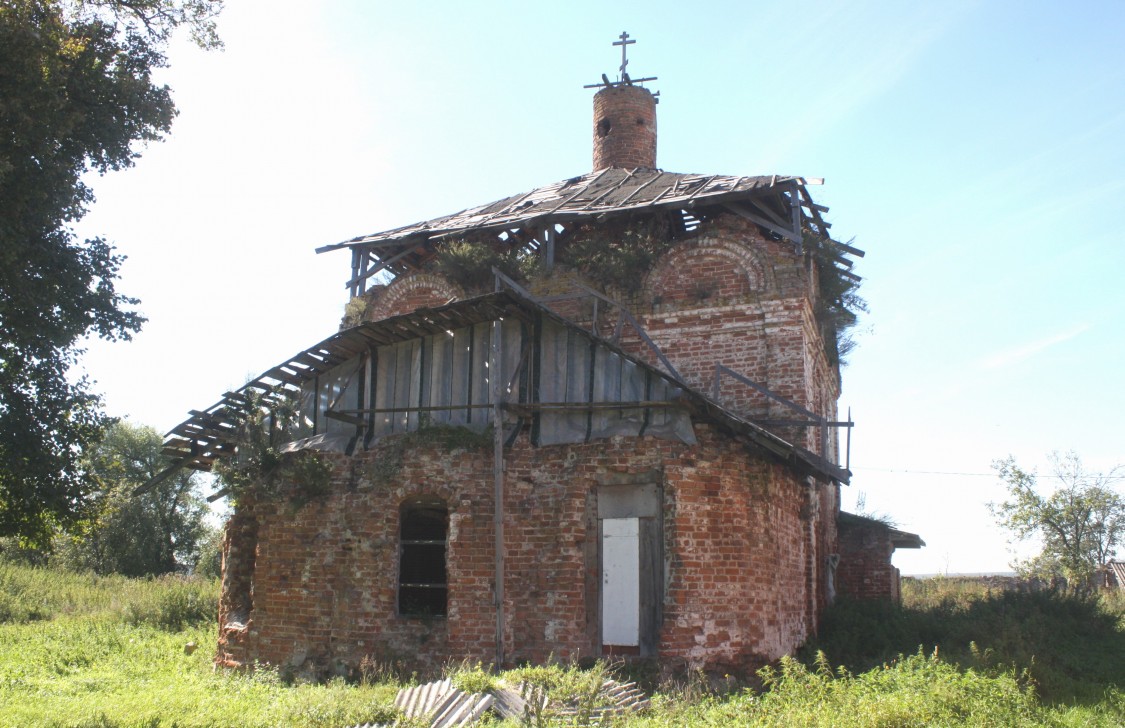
column 837, row 305
column 260, row 467
column 392, row 449
column 618, row 254
column 354, row 312
column 469, row 264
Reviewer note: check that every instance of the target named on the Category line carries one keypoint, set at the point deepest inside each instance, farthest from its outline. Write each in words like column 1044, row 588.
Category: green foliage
column 76, row 95
column 98, row 673
column 1070, row 645
column 618, row 255
column 1080, row 522
column 88, row 662
column 470, row 264
column 393, row 448
column 15, row 551
column 179, row 604
column 838, row 305
column 110, row 651
column 473, row 678
column 209, row 564
column 157, row 532
column 354, row 312
column 385, row 666
column 916, row 690
column 557, row 693
column 261, row 468
column 30, row 594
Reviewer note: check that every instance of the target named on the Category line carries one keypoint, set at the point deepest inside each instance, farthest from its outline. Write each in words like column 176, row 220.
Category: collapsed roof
column 781, row 205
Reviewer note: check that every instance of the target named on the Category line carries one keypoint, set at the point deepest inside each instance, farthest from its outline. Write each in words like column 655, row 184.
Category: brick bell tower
column 624, row 120
column 728, row 293
column 624, row 128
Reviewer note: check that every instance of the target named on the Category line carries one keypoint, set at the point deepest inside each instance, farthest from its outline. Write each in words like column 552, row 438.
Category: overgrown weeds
column 473, row 678
column 85, row 650
column 1070, row 645
column 29, row 594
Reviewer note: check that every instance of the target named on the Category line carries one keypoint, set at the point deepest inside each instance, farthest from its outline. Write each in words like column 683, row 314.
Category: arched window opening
column 422, row 585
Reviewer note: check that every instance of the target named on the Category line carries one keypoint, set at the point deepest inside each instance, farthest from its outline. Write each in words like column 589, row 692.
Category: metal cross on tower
column 623, row 79
column 623, row 43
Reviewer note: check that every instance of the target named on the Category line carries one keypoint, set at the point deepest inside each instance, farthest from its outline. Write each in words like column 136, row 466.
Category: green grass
column 29, row 594
column 918, row 690
column 1072, row 647
column 83, row 650
column 78, row 650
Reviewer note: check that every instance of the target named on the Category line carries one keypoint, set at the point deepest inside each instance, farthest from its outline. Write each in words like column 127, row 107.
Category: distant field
column 80, row 650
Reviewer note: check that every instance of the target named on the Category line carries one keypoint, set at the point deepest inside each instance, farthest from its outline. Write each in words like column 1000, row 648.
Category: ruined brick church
column 597, row 418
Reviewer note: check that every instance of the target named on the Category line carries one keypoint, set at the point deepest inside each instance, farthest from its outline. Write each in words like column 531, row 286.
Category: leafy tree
column 1081, row 521
column 209, row 561
column 76, row 95
column 158, row 532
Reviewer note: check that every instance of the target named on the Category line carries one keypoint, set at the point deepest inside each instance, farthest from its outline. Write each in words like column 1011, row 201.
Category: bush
column 1071, row 645
column 917, row 690
column 470, row 264
column 15, row 610
column 176, row 603
column 473, row 678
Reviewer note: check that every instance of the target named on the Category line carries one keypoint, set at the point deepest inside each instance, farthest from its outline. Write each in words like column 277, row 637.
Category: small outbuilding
column 866, row 546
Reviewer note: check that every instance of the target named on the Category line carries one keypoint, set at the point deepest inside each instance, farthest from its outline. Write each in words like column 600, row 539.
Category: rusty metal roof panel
column 612, row 191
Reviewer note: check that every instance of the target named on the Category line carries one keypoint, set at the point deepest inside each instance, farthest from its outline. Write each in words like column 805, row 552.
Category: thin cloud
column 881, row 68
column 1015, row 355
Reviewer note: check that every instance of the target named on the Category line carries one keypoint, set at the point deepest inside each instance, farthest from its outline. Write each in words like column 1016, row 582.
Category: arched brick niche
column 709, row 271
column 407, row 294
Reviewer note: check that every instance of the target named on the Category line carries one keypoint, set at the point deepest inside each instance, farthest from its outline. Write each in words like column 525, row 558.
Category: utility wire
column 1104, row 478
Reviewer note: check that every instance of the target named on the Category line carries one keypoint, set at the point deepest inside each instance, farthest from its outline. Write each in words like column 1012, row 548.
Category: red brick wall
column 731, row 296
column 742, row 575
column 865, row 570
column 624, row 128
column 746, row 542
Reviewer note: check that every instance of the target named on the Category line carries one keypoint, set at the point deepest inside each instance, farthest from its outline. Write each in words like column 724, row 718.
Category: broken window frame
column 411, row 556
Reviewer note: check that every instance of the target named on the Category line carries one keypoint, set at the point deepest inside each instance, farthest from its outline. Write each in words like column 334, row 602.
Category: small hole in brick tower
column 640, row 122
column 603, row 127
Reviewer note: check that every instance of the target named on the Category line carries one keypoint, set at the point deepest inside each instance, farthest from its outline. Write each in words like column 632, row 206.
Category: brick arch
column 722, row 269
column 407, row 294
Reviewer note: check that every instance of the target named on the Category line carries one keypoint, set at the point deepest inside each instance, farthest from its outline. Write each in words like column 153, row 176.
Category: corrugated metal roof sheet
column 1118, row 569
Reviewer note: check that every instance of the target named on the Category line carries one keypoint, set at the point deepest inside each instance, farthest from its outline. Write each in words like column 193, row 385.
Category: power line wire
column 1104, row 478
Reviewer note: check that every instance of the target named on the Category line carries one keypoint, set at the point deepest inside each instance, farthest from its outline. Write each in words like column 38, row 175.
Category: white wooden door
column 621, row 583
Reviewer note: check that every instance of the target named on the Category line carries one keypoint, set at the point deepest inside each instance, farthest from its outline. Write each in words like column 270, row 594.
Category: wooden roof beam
column 784, row 232
column 383, row 264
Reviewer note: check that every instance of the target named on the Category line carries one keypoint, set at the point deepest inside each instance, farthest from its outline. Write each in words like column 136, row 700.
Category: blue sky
column 974, row 150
